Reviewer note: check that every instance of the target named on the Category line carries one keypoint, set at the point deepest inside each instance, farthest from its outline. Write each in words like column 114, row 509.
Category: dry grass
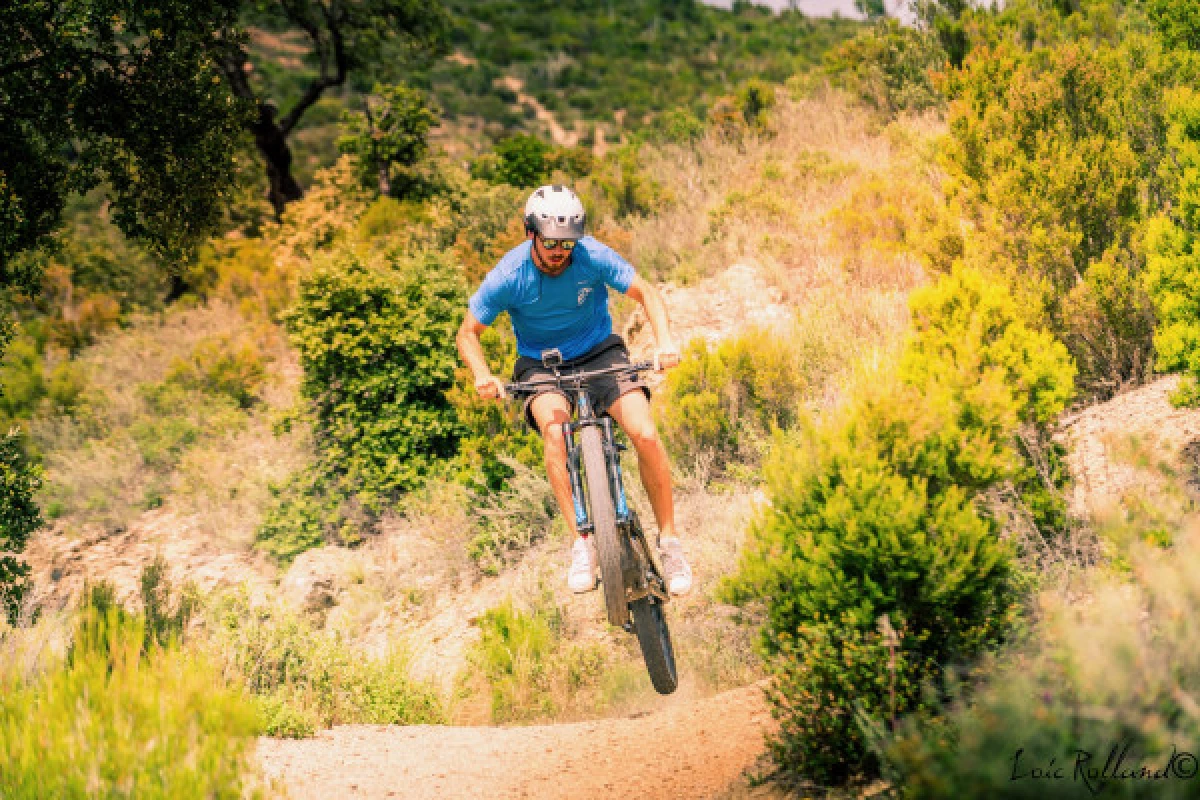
column 119, row 455
column 767, row 200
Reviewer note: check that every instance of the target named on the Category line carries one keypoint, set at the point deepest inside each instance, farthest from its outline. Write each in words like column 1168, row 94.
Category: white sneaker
column 583, row 575
column 677, row 571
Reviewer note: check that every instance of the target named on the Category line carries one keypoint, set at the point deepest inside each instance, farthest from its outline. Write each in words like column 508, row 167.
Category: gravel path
column 697, row 749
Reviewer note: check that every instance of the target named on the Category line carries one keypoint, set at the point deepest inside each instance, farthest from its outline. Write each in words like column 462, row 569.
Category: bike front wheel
column 604, row 522
column 655, row 640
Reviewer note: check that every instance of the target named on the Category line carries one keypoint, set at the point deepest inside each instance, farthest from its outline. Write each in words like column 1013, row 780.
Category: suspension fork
column 583, row 522
column 612, row 453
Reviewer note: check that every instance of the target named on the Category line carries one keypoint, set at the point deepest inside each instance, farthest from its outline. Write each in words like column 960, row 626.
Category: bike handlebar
column 575, row 379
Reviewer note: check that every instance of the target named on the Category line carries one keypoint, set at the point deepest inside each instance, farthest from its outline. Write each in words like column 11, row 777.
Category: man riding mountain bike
column 554, row 287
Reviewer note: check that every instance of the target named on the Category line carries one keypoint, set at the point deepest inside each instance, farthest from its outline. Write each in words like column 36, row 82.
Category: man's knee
column 554, row 441
column 643, row 434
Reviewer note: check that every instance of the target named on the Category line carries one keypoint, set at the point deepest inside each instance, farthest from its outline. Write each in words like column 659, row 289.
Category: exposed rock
column 316, row 577
column 63, row 560
column 716, row 308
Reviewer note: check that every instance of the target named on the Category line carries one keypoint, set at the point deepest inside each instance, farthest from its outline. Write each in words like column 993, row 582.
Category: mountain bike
column 635, row 592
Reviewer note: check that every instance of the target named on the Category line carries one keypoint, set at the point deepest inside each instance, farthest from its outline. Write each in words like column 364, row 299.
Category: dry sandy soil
column 697, row 749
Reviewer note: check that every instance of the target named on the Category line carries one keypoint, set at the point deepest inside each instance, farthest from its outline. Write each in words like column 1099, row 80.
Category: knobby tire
column 655, row 640
column 604, row 522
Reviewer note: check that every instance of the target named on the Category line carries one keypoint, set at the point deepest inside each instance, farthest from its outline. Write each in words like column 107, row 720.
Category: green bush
column 620, row 184
column 307, row 511
column 390, row 137
column 889, row 67
column 376, row 341
column 876, row 513
column 1118, row 671
column 530, row 670
column 303, row 678
column 521, row 160
column 511, row 518
column 494, row 434
column 19, row 517
column 722, row 400
column 1057, row 176
column 218, row 366
column 121, row 720
column 1173, row 247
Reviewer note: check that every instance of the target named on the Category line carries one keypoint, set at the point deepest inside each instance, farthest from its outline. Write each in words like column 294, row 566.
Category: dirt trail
column 697, row 749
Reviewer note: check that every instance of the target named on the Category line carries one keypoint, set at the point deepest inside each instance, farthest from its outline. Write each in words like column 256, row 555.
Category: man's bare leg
column 632, row 412
column 551, row 412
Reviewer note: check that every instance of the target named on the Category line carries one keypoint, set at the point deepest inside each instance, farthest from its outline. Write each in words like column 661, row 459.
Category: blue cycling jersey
column 568, row 311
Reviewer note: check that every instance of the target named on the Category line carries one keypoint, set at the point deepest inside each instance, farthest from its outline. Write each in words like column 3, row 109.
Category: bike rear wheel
column 604, row 522
column 655, row 640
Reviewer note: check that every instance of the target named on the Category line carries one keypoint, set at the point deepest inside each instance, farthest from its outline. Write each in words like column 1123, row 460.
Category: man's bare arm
column 651, row 300
column 471, row 350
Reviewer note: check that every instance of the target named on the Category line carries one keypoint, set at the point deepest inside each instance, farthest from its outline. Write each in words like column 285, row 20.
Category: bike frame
column 586, row 417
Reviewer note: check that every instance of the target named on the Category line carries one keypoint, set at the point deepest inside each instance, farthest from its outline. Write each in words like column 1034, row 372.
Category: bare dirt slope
column 697, row 749
column 1126, row 444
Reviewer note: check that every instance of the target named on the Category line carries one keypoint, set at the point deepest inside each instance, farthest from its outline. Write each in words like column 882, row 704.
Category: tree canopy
column 116, row 91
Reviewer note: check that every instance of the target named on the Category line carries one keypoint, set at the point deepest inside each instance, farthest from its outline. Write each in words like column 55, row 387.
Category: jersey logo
column 583, row 295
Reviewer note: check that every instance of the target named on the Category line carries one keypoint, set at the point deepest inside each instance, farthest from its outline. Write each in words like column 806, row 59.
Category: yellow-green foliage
column 620, row 186
column 1120, row 670
column 531, row 672
column 1054, row 157
column 304, row 679
column 220, row 366
column 889, row 66
column 1173, row 248
column 492, row 431
column 875, row 513
column 722, row 400
column 970, row 337
column 114, row 721
column 247, row 272
column 883, row 217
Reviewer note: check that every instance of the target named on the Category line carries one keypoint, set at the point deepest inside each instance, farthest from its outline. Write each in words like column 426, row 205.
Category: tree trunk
column 272, row 143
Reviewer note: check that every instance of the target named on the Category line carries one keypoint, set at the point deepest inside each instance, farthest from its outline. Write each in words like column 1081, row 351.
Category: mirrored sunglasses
column 565, row 244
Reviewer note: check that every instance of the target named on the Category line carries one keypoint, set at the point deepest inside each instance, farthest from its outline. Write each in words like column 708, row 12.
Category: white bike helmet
column 555, row 212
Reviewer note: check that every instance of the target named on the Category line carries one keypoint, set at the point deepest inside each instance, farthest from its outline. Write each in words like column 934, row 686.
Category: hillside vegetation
column 975, row 226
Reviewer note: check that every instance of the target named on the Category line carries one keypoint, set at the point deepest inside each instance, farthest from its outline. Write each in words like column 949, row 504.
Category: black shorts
column 604, row 389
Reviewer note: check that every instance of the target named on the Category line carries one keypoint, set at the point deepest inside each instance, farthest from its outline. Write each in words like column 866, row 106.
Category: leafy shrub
column 29, row 384
column 890, row 67
column 19, row 517
column 522, row 160
column 1117, row 671
column 531, row 672
column 376, row 341
column 307, row 511
column 875, row 514
column 1055, row 175
column 620, row 184
column 121, row 720
column 218, row 366
column 166, row 613
column 511, row 518
column 303, row 678
column 246, row 272
column 390, row 137
column 722, row 400
column 882, row 218
column 493, row 433
column 1173, row 264
column 755, row 100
